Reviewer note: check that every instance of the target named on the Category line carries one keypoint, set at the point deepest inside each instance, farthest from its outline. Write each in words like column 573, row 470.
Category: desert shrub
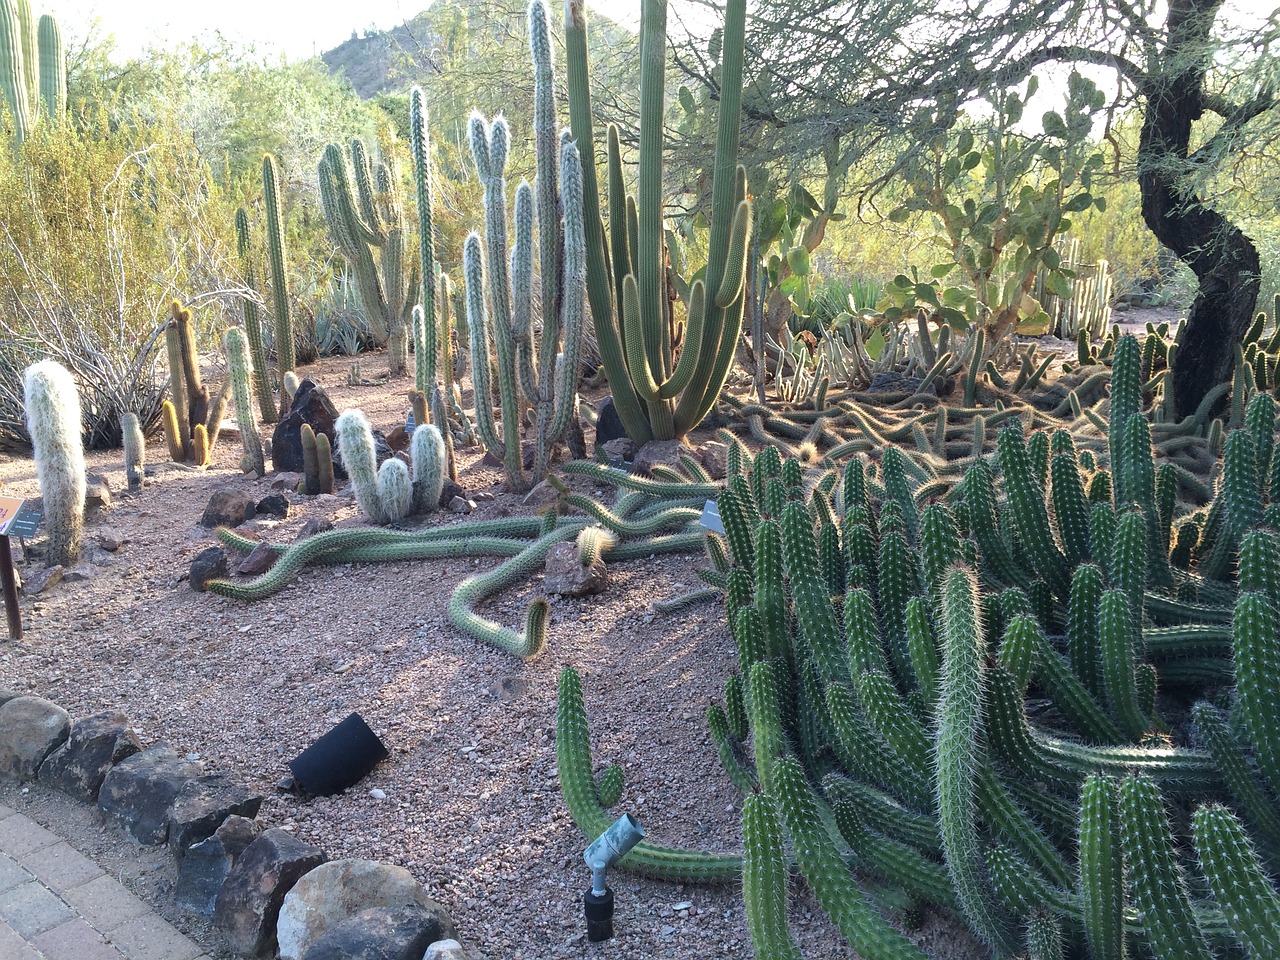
column 102, row 225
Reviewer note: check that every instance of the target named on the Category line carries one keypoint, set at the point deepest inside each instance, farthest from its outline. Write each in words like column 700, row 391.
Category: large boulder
column 227, row 508
column 311, row 405
column 139, row 792
column 248, row 904
column 31, row 728
column 334, row 891
column 380, row 933
column 206, row 864
column 97, row 743
column 203, row 804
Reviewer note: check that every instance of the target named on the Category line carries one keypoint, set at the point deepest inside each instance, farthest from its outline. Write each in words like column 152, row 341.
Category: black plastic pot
column 341, row 758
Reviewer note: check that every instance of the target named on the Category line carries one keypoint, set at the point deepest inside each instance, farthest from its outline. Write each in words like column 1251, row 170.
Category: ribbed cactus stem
column 53, row 421
column 135, row 450
column 1101, row 869
column 276, row 255
column 764, row 880
column 178, row 392
column 14, row 70
column 428, row 331
column 253, row 324
column 427, row 451
column 236, row 348
column 1239, row 883
column 53, row 69
column 355, row 445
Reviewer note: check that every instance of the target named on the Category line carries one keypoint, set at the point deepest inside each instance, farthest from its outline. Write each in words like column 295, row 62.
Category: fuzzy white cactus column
column 53, row 420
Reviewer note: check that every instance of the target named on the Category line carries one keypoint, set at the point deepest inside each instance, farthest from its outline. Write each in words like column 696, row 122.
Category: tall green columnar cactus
column 764, row 880
column 53, row 69
column 367, row 219
column 236, row 348
column 1238, row 881
column 279, row 283
column 427, row 333
column 655, row 395
column 253, row 323
column 135, row 450
column 13, row 70
column 53, row 420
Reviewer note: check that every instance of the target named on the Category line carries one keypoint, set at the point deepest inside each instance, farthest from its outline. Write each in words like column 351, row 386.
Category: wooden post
column 9, row 579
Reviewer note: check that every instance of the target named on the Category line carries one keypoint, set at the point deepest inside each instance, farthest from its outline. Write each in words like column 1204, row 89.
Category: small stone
column 248, row 904
column 273, row 505
column 80, row 573
column 378, row 794
column 312, row 406
column 508, row 688
column 715, row 458
column 97, row 491
column 682, row 905
column 445, row 950
column 227, row 508
column 97, row 743
column 206, row 864
column 31, row 728
column 398, row 439
column 459, row 505
column 287, row 481
column 42, row 579
column 621, row 450
column 208, row 564
column 542, row 493
column 313, row 526
column 450, row 490
column 484, row 496
column 565, row 574
column 655, row 452
column 108, row 542
column 259, row 560
column 139, row 792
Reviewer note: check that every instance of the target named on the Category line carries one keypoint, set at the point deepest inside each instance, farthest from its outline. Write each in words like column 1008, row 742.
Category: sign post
column 9, row 507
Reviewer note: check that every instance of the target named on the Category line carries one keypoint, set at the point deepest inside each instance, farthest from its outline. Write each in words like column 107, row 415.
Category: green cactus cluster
column 539, row 372
column 657, row 393
column 365, row 213
column 33, row 68
column 192, row 415
column 1026, row 699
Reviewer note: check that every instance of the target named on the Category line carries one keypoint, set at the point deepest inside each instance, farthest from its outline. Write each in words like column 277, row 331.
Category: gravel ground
column 472, row 804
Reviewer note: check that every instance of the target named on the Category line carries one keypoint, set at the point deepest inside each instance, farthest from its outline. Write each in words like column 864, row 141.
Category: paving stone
column 21, row 835
column 60, row 867
column 6, row 811
column 31, row 909
column 151, row 937
column 75, row 940
column 105, row 903
column 13, row 946
column 11, row 873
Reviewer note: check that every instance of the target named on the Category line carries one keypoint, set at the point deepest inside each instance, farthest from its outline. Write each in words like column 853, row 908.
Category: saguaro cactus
column 53, row 420
column 656, row 396
column 364, row 220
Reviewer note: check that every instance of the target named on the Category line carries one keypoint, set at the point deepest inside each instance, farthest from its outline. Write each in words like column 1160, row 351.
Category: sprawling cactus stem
column 655, row 395
column 355, row 445
column 236, row 348
column 573, row 759
column 53, row 420
column 276, row 255
column 53, row 69
column 135, row 450
column 253, row 323
column 427, row 450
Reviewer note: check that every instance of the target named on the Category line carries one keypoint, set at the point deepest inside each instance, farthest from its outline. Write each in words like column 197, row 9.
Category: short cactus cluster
column 1040, row 699
column 192, row 416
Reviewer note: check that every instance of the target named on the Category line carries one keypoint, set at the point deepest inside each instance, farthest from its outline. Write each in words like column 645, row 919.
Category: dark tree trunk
column 1224, row 260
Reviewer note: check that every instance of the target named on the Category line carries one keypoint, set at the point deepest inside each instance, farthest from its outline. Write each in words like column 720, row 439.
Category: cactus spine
column 658, row 396
column 53, row 420
column 279, row 282
column 236, row 348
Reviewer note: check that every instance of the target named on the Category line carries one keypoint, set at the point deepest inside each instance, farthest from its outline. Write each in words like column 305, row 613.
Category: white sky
column 296, row 29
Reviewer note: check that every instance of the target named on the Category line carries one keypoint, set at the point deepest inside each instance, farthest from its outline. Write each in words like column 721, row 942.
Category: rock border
column 232, row 868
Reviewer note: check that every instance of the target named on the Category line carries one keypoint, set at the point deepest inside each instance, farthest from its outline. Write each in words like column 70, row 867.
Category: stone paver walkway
column 58, row 905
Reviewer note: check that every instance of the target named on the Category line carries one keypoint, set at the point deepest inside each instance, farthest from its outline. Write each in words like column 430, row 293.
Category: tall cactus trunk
column 53, row 420
column 279, row 283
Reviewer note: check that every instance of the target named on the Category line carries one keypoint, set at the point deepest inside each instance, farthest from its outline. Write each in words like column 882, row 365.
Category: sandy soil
column 472, row 803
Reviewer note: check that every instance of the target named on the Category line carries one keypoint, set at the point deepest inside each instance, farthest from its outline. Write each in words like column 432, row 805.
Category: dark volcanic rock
column 249, row 903
column 608, row 423
column 206, row 864
column 140, row 790
column 382, row 933
column 203, row 804
column 227, row 508
column 273, row 505
column 208, row 564
column 97, row 743
column 310, row 405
